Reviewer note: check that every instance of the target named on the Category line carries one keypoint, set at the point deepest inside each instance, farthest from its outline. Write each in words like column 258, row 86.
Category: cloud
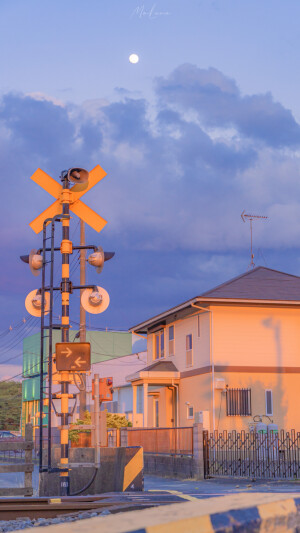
column 180, row 172
column 217, row 101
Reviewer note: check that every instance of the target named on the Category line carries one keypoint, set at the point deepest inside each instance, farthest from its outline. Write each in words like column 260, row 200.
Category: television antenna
column 251, row 218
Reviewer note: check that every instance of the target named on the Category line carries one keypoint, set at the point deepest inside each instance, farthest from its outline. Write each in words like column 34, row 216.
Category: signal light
column 98, row 258
column 95, row 300
column 105, row 389
column 34, row 260
column 33, row 303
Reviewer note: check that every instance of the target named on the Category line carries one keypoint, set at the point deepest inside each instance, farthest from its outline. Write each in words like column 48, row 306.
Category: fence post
column 123, row 437
column 198, row 459
column 28, row 458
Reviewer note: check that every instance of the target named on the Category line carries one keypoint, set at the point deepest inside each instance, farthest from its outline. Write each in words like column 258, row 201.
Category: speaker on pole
column 78, row 175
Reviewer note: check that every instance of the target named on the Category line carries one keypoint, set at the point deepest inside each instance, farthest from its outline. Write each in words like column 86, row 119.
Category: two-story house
column 232, row 354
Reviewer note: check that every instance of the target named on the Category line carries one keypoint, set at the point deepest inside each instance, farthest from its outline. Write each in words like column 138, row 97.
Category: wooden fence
column 26, row 467
column 171, row 441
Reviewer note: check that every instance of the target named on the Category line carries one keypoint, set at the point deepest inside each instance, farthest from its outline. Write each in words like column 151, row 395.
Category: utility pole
column 82, row 327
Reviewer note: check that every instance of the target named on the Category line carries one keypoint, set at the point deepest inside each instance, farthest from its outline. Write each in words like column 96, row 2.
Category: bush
column 117, row 421
column 112, row 420
column 74, row 433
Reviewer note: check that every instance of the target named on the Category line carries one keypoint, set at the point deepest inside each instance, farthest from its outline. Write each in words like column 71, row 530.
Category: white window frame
column 188, row 415
column 190, row 351
column 269, row 413
column 159, row 334
column 199, row 325
column 172, row 340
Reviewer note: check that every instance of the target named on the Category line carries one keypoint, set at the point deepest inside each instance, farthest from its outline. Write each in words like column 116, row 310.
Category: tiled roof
column 261, row 283
column 160, row 366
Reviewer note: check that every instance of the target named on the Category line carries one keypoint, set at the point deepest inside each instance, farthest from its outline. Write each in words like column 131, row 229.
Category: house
column 104, row 345
column 117, row 369
column 229, row 357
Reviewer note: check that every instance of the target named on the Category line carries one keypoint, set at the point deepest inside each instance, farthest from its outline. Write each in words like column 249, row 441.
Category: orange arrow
column 79, row 208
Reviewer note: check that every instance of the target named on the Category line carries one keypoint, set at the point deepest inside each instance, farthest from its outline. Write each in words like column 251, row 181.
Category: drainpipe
column 211, row 359
column 177, row 403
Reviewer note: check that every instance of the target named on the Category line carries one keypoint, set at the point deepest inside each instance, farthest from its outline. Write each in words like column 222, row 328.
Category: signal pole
column 82, row 327
column 66, row 250
column 70, row 357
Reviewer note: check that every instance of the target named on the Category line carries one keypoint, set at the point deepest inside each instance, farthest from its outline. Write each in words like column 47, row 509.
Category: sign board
column 76, row 205
column 73, row 356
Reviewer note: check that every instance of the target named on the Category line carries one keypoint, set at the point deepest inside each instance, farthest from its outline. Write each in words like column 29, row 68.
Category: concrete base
column 181, row 467
column 109, row 478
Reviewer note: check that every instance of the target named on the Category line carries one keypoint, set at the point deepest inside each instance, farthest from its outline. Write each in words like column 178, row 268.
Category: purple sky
column 207, row 124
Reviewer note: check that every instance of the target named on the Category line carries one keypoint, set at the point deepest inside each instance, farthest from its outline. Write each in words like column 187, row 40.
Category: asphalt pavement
column 217, row 486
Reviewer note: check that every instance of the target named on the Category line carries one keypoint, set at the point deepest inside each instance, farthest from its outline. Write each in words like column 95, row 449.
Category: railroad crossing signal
column 74, row 194
column 73, row 356
column 105, row 389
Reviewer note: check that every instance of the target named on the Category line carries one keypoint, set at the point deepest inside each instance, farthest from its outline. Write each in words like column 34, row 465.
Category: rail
column 26, row 467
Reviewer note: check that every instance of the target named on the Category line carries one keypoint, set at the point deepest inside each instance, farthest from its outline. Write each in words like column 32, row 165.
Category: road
column 209, row 488
column 187, row 488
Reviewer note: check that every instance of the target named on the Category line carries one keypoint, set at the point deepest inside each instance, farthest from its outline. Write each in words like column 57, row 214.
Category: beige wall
column 256, row 336
column 201, row 350
column 285, row 389
column 242, row 336
column 195, row 390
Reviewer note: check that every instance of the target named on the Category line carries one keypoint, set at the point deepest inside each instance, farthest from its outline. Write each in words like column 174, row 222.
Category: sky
column 204, row 126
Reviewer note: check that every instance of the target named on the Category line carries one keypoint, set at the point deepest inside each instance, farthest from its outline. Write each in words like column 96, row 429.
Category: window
column 156, row 412
column 171, row 340
column 238, row 402
column 159, row 345
column 269, row 403
column 140, row 399
column 198, row 326
column 189, row 350
column 190, row 412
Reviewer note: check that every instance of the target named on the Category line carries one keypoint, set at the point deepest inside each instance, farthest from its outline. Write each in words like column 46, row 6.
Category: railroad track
column 34, row 508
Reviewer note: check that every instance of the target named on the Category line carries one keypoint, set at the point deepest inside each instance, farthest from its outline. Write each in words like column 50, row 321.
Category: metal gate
column 270, row 455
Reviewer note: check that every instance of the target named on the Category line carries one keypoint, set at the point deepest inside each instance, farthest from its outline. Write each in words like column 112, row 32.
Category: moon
column 134, row 58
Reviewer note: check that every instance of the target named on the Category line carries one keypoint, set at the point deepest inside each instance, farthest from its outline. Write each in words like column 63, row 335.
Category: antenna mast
column 251, row 218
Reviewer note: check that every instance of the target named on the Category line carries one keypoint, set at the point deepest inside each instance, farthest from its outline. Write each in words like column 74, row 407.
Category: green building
column 104, row 345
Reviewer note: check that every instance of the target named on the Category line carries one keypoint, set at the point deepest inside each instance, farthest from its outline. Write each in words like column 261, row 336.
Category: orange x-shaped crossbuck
column 79, row 208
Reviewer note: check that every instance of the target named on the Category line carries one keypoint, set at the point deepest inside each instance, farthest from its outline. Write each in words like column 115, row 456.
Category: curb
column 276, row 516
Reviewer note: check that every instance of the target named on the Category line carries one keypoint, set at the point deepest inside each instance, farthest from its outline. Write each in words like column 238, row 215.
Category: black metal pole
column 42, row 342
column 56, row 218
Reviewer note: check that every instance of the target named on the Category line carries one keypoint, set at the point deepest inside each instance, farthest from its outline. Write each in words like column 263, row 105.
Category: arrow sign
column 72, row 356
column 67, row 351
column 79, row 362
